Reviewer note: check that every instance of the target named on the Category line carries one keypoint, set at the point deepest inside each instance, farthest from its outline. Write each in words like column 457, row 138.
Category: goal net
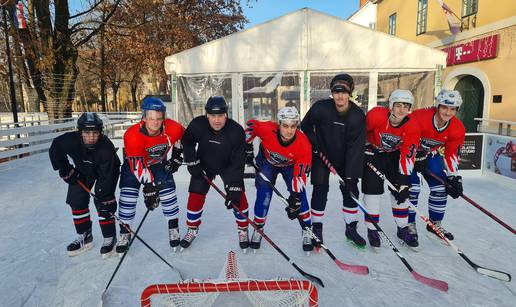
column 232, row 288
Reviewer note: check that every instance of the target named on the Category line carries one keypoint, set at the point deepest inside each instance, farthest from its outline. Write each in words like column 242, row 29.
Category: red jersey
column 388, row 138
column 297, row 153
column 142, row 150
column 451, row 137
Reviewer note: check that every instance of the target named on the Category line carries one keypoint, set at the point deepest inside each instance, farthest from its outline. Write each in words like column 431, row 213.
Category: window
column 469, row 7
column 422, row 11
column 392, row 24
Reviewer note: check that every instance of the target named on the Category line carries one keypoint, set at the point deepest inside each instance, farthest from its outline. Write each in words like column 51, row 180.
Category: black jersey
column 100, row 163
column 341, row 137
column 219, row 152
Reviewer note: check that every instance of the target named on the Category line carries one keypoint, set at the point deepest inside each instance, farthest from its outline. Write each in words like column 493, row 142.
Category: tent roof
column 305, row 40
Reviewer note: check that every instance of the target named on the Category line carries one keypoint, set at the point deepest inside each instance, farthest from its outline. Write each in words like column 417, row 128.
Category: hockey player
column 392, row 140
column 220, row 151
column 95, row 162
column 439, row 128
column 286, row 150
column 146, row 147
column 336, row 128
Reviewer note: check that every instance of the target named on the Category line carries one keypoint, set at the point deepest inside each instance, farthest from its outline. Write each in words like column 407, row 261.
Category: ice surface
column 36, row 226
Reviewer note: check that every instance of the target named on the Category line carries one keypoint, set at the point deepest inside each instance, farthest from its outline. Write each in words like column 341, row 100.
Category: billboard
column 500, row 156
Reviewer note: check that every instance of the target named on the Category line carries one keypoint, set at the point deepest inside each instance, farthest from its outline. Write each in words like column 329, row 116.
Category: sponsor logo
column 215, row 142
column 390, row 142
column 338, row 123
column 428, row 144
column 156, row 152
column 277, row 159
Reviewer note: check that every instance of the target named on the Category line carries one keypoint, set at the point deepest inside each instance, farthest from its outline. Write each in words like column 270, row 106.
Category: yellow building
column 481, row 55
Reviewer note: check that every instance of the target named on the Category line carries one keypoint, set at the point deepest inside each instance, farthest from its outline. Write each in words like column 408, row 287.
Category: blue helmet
column 153, row 104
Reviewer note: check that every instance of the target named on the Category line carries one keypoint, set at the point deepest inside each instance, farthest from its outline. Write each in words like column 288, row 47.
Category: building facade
column 481, row 52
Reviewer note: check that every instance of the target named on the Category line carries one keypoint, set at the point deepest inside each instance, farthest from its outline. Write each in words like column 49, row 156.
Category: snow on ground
column 36, row 226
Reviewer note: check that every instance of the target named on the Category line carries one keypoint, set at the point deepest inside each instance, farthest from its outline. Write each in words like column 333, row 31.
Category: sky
column 265, row 10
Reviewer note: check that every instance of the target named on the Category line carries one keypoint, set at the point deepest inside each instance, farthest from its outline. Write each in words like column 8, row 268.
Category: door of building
column 472, row 92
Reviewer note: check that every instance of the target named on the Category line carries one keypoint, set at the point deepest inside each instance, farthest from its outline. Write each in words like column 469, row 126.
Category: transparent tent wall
column 320, row 87
column 194, row 91
column 265, row 94
column 421, row 84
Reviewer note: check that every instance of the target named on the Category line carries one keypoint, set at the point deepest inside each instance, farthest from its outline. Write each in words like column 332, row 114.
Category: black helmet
column 342, row 83
column 89, row 121
column 216, row 105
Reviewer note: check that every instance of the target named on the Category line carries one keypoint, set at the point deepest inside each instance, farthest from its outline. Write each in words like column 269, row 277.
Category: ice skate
column 83, row 243
column 353, row 237
column 108, row 247
column 189, row 237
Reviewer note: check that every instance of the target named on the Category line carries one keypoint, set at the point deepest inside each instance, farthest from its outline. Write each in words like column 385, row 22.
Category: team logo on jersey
column 277, row 159
column 428, row 144
column 156, row 152
column 389, row 142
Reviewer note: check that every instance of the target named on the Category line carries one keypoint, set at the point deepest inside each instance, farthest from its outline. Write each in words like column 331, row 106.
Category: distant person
column 336, row 128
column 287, row 151
column 215, row 145
column 95, row 162
column 440, row 129
column 146, row 148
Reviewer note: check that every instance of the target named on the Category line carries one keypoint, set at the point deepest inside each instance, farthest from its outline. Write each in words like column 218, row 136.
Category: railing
column 22, row 139
column 486, row 125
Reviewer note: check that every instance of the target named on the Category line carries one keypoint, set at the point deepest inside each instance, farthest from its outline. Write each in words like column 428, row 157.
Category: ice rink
column 36, row 226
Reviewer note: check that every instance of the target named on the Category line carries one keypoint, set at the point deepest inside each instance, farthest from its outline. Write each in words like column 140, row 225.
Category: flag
column 453, row 20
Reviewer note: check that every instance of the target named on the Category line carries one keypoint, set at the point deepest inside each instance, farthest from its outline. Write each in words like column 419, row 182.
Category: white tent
column 302, row 44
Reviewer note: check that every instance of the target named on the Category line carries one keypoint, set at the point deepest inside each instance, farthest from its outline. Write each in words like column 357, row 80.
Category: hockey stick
column 308, row 276
column 357, row 269
column 469, row 200
column 484, row 271
column 132, row 232
column 434, row 283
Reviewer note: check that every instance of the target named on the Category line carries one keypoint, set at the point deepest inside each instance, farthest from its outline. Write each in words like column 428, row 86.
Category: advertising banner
column 471, row 152
column 500, row 155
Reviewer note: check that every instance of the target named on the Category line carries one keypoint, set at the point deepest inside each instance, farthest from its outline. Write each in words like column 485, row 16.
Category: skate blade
column 244, row 250
column 308, row 253
column 85, row 248
column 412, row 248
column 358, row 247
column 317, row 249
column 375, row 249
column 108, row 255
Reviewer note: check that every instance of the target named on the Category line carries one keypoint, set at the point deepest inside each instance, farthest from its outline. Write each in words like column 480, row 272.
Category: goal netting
column 232, row 288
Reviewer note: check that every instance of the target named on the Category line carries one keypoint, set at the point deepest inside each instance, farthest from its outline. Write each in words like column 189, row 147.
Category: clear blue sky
column 264, row 10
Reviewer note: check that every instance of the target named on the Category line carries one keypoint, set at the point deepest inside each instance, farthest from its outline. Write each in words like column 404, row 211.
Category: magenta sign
column 477, row 50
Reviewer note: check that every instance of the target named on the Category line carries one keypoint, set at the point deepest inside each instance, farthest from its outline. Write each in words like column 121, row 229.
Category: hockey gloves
column 421, row 163
column 294, row 205
column 175, row 161
column 151, row 196
column 454, row 186
column 70, row 176
column 402, row 194
column 249, row 154
column 233, row 196
column 195, row 169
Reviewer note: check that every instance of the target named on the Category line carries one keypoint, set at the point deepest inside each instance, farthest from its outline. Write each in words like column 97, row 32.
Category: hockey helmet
column 342, row 83
column 288, row 114
column 89, row 121
column 153, row 104
column 216, row 105
column 403, row 96
column 450, row 98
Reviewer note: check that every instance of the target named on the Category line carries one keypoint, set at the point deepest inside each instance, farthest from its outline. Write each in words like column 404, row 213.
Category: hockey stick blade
column 308, row 276
column 494, row 274
column 487, row 272
column 357, row 269
column 434, row 283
